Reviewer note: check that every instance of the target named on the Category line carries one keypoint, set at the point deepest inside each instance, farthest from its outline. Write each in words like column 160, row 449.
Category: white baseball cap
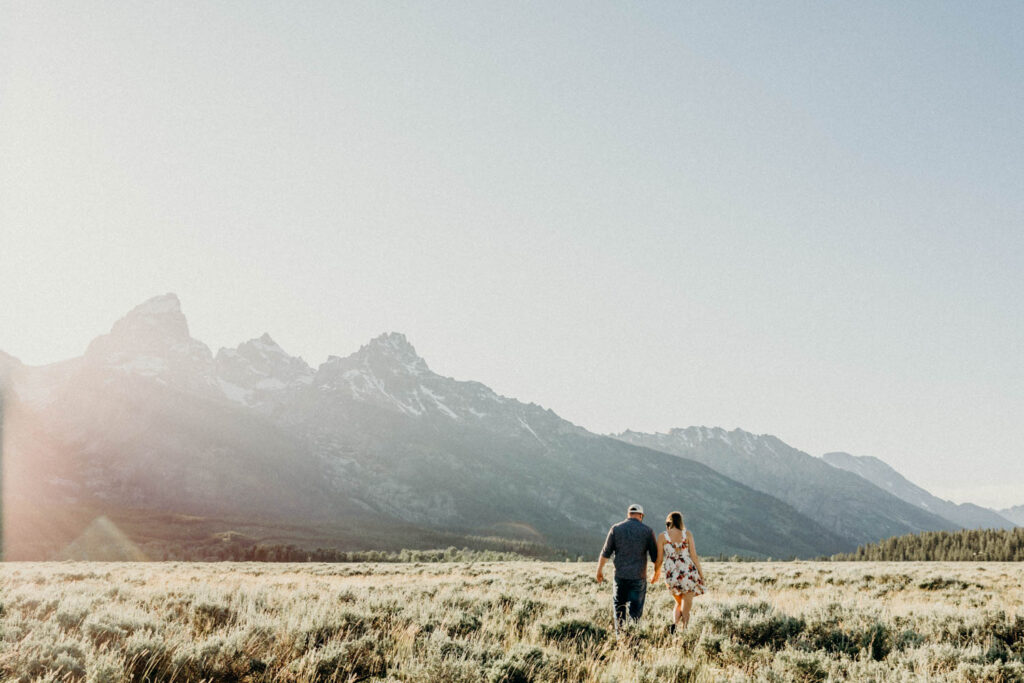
column 635, row 507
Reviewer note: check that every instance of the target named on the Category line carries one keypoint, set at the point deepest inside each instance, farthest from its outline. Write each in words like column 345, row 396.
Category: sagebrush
column 505, row 622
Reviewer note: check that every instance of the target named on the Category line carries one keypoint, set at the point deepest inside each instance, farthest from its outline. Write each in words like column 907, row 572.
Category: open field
column 514, row 622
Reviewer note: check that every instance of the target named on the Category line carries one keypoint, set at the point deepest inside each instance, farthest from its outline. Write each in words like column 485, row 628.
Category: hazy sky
column 803, row 219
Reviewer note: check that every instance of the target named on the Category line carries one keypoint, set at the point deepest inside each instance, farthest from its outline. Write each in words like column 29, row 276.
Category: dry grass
column 511, row 622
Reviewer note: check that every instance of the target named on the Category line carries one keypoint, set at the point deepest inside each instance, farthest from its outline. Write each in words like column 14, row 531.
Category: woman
column 683, row 574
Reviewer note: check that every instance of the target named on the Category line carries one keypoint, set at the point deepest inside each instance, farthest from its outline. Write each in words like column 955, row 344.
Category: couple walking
column 632, row 542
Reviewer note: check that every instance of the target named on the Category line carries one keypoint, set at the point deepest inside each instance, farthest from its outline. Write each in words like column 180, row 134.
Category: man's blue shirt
column 631, row 541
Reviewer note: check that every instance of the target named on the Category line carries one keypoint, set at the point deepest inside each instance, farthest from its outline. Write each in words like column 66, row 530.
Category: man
column 632, row 542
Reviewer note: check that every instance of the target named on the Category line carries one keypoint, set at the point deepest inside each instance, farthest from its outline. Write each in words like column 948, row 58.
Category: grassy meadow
column 505, row 621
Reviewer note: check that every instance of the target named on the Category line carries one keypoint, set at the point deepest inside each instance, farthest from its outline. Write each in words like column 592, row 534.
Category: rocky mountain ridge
column 373, row 450
column 1015, row 514
column 967, row 515
column 842, row 501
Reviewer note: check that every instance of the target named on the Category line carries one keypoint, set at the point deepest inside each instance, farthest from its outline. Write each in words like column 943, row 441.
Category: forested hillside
column 991, row 545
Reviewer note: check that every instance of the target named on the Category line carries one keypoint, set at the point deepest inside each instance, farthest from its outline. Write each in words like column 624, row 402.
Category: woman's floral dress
column 681, row 575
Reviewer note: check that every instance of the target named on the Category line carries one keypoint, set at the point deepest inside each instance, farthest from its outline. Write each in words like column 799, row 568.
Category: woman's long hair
column 674, row 520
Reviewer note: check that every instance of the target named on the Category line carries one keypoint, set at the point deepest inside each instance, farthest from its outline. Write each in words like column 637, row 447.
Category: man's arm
column 652, row 552
column 658, row 562
column 606, row 552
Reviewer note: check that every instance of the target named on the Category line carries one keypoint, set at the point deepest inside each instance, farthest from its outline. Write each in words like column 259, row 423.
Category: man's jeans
column 633, row 592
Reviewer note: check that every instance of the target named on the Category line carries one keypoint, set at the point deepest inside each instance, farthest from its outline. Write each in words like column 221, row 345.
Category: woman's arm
column 693, row 553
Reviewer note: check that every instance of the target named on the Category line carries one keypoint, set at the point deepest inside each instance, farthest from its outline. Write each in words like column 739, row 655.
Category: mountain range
column 174, row 445
column 967, row 515
column 846, row 503
column 1014, row 514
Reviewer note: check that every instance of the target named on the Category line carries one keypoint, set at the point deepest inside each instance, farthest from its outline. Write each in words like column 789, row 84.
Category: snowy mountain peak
column 265, row 352
column 161, row 314
column 387, row 372
column 393, row 347
column 159, row 305
column 155, row 329
column 262, row 346
column 689, row 437
column 396, row 342
column 156, row 325
column 869, row 467
column 676, row 438
column 153, row 341
column 258, row 368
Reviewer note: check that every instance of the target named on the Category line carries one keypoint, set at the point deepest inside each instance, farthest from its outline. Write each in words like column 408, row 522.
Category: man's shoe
column 671, row 629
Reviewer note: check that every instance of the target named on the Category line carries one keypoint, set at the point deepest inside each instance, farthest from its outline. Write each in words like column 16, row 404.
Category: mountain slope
column 389, row 425
column 141, row 421
column 150, row 419
column 841, row 501
column 1014, row 514
column 967, row 515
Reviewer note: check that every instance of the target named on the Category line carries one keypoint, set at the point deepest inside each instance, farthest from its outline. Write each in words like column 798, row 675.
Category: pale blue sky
column 802, row 219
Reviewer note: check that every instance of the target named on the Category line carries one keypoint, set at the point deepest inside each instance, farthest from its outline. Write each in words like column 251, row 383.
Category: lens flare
column 102, row 541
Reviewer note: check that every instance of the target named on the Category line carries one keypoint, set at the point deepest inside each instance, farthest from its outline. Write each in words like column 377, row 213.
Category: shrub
column 997, row 652
column 520, row 665
column 575, row 631
column 806, row 668
column 433, row 670
column 102, row 632
column 146, row 658
column 216, row 659
column 1009, row 632
column 504, row 602
column 71, row 616
column 676, row 672
column 105, row 668
column 441, row 646
column 526, row 612
column 354, row 659
column 878, row 641
column 178, row 623
column 1002, row 672
column 710, row 645
column 208, row 616
column 464, row 625
column 771, row 631
column 908, row 639
column 52, row 661
column 323, row 628
column 941, row 583
column 829, row 637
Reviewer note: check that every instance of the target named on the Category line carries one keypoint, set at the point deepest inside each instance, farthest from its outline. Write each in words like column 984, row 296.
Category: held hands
column 657, row 575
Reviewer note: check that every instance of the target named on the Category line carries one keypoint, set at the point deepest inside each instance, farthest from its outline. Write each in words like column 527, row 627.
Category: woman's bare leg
column 687, row 600
column 678, row 610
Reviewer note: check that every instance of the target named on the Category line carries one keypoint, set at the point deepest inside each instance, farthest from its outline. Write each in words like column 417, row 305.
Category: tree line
column 294, row 553
column 988, row 545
